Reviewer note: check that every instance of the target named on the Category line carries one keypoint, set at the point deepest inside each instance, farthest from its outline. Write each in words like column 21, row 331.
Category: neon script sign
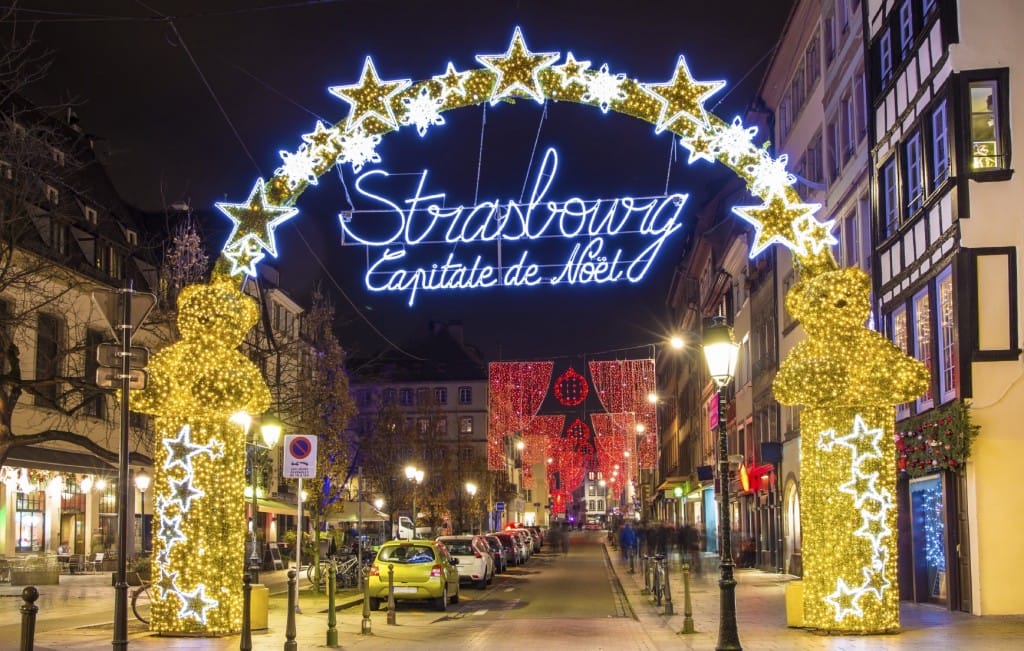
column 611, row 240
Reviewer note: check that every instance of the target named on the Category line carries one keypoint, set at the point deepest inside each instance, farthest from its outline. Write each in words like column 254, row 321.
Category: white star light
column 170, row 531
column 700, row 146
column 813, row 236
column 299, row 167
column 735, row 140
column 181, row 450
column 770, row 175
column 845, row 599
column 515, row 63
column 358, row 149
column 604, row 88
column 572, row 71
column 422, row 110
column 322, row 140
column 195, row 604
column 184, row 493
column 874, row 528
column 452, row 82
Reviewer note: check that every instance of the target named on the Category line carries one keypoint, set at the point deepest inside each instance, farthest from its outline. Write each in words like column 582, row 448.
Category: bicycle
column 659, row 578
column 141, row 601
column 347, row 573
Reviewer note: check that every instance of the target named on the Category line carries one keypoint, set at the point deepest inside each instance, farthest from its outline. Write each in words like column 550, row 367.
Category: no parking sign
column 299, row 456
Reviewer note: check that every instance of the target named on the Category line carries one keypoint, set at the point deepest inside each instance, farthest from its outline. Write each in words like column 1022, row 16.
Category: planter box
column 36, row 577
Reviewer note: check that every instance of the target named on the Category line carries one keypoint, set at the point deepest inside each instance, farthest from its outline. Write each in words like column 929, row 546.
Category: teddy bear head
column 834, row 300
column 217, row 314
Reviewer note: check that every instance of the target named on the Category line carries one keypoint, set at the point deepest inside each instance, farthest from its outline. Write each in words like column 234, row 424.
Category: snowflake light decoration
column 299, row 167
column 735, row 141
column 770, row 176
column 422, row 110
column 604, row 88
column 359, row 148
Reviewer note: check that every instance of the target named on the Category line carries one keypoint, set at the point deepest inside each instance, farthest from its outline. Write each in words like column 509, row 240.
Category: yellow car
column 423, row 569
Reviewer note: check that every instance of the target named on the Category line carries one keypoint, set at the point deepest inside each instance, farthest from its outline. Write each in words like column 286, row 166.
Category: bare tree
column 383, row 452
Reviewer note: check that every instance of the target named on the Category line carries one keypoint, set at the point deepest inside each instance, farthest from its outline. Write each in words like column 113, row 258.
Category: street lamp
column 415, row 475
column 142, row 484
column 471, row 489
column 270, row 430
column 721, row 350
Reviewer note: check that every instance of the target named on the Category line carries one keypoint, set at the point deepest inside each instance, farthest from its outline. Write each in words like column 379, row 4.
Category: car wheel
column 482, row 583
column 374, row 603
column 441, row 603
column 490, row 578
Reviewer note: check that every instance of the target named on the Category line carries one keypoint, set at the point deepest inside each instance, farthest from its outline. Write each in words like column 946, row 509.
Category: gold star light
column 812, row 236
column 452, row 82
column 517, row 70
column 700, row 145
column 773, row 222
column 682, row 97
column 572, row 71
column 370, row 97
column 254, row 220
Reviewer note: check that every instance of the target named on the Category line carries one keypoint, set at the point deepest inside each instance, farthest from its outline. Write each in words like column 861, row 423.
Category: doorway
column 928, row 540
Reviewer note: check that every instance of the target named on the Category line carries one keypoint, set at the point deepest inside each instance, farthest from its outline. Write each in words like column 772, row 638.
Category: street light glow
column 676, row 342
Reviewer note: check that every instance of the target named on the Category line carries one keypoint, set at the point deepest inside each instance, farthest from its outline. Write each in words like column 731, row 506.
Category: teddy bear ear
column 859, row 278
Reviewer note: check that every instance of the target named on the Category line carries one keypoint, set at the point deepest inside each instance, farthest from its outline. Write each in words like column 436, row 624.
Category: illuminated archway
column 849, row 549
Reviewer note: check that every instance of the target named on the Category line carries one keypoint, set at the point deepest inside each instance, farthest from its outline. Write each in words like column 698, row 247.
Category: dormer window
column 90, row 215
column 132, row 237
column 6, row 171
column 57, row 156
column 52, row 195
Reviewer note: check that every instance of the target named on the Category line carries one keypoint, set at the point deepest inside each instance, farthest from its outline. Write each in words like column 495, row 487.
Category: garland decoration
column 938, row 440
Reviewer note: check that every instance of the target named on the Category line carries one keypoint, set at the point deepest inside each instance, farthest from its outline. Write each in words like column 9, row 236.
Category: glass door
column 928, row 532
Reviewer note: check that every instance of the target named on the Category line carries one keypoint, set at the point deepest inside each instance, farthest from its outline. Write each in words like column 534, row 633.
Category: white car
column 476, row 565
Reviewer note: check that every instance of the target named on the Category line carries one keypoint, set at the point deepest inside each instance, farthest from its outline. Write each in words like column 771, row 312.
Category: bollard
column 645, row 565
column 366, row 629
column 289, row 631
column 687, row 610
column 669, row 610
column 391, row 594
column 332, row 615
column 28, row 617
column 245, row 644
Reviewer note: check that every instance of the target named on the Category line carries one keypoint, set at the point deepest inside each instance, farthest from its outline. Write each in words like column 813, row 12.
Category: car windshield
column 459, row 547
column 406, row 554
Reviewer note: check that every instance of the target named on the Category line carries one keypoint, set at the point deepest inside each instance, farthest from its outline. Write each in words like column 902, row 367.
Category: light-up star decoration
column 517, row 71
column 194, row 604
column 572, row 71
column 773, row 222
column 181, row 450
column 253, row 222
column 683, row 97
column 370, row 97
column 452, row 82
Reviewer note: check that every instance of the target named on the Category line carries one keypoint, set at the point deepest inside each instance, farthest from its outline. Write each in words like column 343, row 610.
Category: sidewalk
column 761, row 617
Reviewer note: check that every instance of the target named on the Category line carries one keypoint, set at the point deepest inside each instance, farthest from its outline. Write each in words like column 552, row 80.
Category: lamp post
column 720, row 350
column 142, row 484
column 271, row 432
column 415, row 475
column 471, row 489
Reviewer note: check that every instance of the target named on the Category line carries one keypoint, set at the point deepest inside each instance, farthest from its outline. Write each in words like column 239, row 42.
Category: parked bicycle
column 658, row 582
column 141, row 601
column 347, row 573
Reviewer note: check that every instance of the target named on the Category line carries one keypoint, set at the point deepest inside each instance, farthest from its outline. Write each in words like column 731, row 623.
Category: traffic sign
column 299, row 456
column 109, row 303
column 110, row 378
column 499, row 506
column 110, row 355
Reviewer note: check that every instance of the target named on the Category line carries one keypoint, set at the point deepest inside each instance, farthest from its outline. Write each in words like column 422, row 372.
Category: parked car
column 424, row 569
column 538, row 535
column 514, row 552
column 497, row 553
column 527, row 539
column 476, row 565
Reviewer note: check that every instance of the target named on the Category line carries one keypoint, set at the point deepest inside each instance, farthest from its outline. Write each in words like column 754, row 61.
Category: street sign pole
column 121, row 586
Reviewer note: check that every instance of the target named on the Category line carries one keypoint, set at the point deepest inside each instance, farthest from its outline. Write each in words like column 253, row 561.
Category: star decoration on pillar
column 452, row 82
column 184, row 493
column 181, row 450
column 166, row 582
column 682, row 97
column 255, row 220
column 773, row 222
column 370, row 97
column 844, row 599
column 517, row 71
column 170, row 531
column 195, row 604
column 861, row 487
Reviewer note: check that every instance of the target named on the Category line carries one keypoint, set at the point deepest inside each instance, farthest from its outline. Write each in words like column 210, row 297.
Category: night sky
column 154, row 81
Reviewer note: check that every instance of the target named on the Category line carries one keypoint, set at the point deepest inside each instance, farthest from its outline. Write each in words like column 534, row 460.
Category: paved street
column 78, row 615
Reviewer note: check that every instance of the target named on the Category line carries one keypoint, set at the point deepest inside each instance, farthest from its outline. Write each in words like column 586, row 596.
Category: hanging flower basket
column 938, row 440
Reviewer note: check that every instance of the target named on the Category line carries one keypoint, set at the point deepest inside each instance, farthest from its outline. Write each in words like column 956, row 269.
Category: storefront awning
column 273, row 506
column 59, row 461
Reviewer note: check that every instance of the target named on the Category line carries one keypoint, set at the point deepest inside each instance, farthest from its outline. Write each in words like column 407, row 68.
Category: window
column 465, row 395
column 95, row 402
column 405, row 397
column 6, row 171
column 49, row 340
column 940, row 145
column 90, row 215
column 364, row 398
column 29, row 528
column 927, row 6
column 906, row 27
column 784, row 121
column 57, row 156
column 60, row 234
column 914, row 183
column 889, row 196
column 842, row 16
column 441, row 425
column 923, row 342
column 849, row 127
column 830, row 39
column 465, row 425
column 441, row 395
column 422, row 425
column 989, row 134
column 850, row 238
column 389, row 396
column 949, row 375
column 108, row 260
column 812, row 61
column 860, row 106
column 812, row 169
column 422, row 396
column 833, row 150
column 885, row 57
column 899, row 338
column 52, row 195
column 797, row 91
column 132, row 237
